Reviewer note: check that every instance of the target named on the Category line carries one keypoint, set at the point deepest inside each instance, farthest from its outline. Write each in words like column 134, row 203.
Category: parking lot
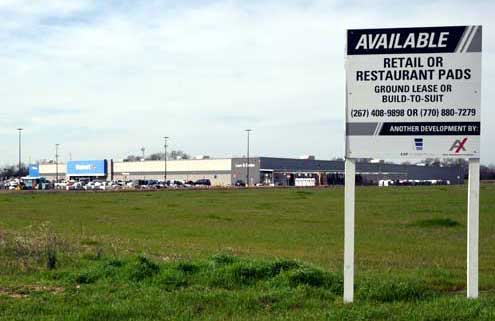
column 99, row 185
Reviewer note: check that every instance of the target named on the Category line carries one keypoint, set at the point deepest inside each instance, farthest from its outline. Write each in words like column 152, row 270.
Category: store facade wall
column 239, row 170
column 49, row 171
column 216, row 170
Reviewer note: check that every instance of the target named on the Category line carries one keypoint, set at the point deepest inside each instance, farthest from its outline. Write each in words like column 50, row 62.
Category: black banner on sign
column 413, row 40
column 430, row 129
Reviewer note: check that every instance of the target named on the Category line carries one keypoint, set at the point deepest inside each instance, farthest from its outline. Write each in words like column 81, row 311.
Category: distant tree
column 450, row 162
column 46, row 161
column 132, row 158
column 453, row 162
column 487, row 172
column 172, row 155
column 155, row 156
column 363, row 160
column 432, row 162
column 178, row 154
column 446, row 162
column 13, row 171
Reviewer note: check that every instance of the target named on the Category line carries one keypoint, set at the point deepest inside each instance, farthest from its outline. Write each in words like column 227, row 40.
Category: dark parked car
column 188, row 184
column 203, row 182
column 240, row 183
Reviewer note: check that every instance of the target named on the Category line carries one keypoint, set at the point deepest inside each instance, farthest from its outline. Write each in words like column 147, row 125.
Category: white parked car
column 132, row 184
column 73, row 186
column 89, row 186
column 60, row 185
column 105, row 186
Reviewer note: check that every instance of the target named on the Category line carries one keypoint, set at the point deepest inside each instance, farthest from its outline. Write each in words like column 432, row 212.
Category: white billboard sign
column 413, row 93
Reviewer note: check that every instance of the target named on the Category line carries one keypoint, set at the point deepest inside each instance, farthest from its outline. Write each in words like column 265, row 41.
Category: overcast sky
column 104, row 78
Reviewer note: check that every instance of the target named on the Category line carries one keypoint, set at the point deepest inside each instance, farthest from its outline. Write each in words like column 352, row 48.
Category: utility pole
column 247, row 163
column 165, row 138
column 56, row 162
column 20, row 130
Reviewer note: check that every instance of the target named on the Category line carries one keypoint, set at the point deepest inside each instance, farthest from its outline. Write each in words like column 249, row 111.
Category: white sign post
column 473, row 228
column 350, row 174
column 413, row 93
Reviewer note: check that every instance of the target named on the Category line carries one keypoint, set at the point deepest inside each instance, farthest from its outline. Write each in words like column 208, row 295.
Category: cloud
column 126, row 73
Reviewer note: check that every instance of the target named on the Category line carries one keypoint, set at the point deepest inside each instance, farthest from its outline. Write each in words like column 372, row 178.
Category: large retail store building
column 265, row 170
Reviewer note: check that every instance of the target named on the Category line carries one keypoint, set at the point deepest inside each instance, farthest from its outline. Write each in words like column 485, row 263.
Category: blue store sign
column 34, row 170
column 87, row 168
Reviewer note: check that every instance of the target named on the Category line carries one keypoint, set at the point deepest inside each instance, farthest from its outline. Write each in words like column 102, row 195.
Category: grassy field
column 241, row 255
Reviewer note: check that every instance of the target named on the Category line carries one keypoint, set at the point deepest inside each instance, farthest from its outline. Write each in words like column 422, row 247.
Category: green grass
column 241, row 255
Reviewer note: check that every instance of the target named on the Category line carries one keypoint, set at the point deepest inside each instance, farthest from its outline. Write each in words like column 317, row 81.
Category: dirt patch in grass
column 90, row 242
column 304, row 194
column 436, row 222
column 26, row 290
column 220, row 218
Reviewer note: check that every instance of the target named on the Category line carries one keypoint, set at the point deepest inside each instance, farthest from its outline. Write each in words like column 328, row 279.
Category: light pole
column 165, row 138
column 19, row 130
column 56, row 162
column 248, row 131
column 142, row 151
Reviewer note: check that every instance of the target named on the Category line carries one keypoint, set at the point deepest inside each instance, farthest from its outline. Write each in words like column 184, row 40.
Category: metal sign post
column 413, row 93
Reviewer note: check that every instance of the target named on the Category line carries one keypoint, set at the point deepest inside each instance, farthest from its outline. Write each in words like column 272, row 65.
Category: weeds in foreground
column 32, row 248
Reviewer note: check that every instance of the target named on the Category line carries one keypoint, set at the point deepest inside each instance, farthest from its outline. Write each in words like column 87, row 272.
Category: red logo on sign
column 458, row 145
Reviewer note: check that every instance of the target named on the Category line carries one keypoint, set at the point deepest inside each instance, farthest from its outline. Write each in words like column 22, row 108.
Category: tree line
column 487, row 172
column 10, row 171
column 173, row 155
